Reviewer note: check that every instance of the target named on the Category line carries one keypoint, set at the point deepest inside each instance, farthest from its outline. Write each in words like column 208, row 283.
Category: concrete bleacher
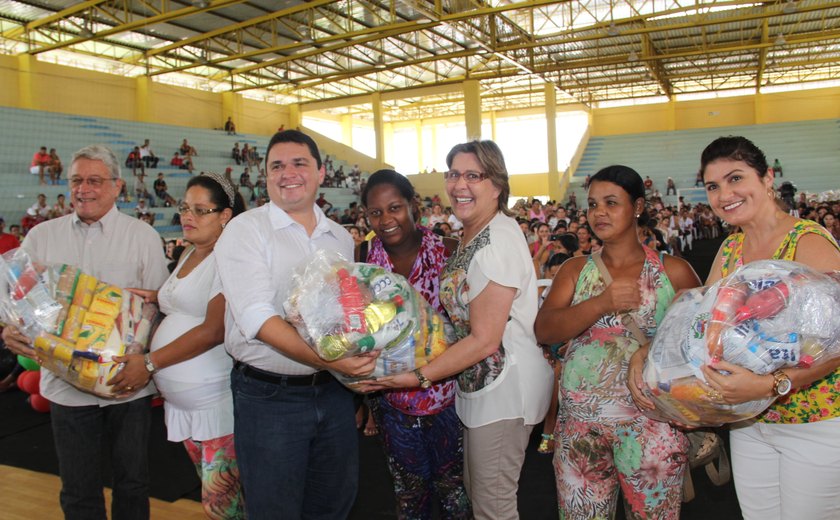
column 808, row 150
column 24, row 131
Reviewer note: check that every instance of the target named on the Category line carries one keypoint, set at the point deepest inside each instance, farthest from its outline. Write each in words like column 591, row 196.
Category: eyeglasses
column 93, row 182
column 471, row 177
column 183, row 209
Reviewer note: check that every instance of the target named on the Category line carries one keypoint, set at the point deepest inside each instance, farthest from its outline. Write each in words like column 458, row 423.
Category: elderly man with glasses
column 119, row 250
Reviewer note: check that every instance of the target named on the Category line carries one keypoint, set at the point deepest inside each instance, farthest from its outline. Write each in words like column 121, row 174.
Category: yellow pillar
column 418, row 128
column 25, row 98
column 472, row 109
column 433, row 161
column 378, row 128
column 493, row 125
column 229, row 109
column 672, row 114
column 758, row 107
column 551, row 136
column 295, row 117
column 388, row 140
column 347, row 130
column 143, row 99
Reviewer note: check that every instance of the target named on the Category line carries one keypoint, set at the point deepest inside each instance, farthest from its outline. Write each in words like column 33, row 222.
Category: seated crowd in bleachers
column 551, row 228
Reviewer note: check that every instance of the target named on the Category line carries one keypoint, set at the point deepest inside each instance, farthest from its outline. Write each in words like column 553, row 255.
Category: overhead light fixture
column 633, row 56
column 201, row 4
column 380, row 63
column 790, row 7
column 780, row 40
column 306, row 34
column 612, row 30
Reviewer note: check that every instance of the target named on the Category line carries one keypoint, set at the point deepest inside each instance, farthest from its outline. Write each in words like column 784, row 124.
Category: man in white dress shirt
column 294, row 425
column 119, row 250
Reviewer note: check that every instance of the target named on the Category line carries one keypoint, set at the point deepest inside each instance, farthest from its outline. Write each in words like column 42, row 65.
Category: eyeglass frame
column 183, row 209
column 94, row 182
column 452, row 176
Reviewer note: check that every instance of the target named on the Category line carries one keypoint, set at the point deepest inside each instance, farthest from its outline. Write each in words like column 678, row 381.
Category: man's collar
column 105, row 222
column 281, row 219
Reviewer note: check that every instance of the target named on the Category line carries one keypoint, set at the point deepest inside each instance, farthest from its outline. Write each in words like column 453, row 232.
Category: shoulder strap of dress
column 626, row 319
column 787, row 249
column 602, row 268
column 729, row 245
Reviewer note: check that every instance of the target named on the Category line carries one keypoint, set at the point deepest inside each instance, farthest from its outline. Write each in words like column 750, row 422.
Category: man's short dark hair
column 294, row 136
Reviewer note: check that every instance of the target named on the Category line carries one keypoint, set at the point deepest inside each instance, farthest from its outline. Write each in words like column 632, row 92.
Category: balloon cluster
column 765, row 316
column 30, row 382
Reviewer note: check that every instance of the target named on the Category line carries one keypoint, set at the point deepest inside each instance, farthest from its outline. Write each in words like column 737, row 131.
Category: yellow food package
column 62, row 317
column 55, row 347
column 109, row 292
column 95, row 331
column 89, row 374
column 73, row 324
column 67, row 283
column 85, row 287
column 107, row 302
column 107, row 367
column 63, row 352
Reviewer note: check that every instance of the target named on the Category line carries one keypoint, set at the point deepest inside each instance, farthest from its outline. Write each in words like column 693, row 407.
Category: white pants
column 493, row 458
column 788, row 471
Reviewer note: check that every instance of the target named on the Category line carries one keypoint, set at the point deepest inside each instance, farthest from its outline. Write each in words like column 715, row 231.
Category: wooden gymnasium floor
column 29, row 495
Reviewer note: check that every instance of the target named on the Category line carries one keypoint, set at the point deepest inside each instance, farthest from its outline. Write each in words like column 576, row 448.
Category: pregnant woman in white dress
column 187, row 359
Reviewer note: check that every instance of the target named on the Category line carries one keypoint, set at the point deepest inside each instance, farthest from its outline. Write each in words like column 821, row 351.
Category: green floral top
column 821, row 400
column 593, row 386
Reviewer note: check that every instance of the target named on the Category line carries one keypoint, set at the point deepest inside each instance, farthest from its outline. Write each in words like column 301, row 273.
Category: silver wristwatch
column 147, row 359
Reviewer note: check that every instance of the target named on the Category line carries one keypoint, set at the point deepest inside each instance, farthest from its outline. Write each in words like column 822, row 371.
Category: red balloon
column 30, row 381
column 39, row 403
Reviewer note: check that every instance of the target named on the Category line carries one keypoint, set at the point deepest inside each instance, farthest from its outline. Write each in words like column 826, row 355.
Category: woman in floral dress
column 786, row 463
column 603, row 441
column 421, row 433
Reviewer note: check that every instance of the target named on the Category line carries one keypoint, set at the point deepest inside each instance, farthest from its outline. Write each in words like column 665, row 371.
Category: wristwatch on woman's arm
column 782, row 384
column 424, row 381
column 150, row 366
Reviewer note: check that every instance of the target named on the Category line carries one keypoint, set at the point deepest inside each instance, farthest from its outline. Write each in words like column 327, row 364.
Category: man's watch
column 147, row 359
column 782, row 384
column 424, row 381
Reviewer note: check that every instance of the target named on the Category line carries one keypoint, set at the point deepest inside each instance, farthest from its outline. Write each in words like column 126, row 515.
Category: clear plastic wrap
column 767, row 315
column 76, row 323
column 343, row 309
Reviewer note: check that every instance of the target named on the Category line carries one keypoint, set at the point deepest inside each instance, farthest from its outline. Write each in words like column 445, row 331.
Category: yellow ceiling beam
column 58, row 15
column 138, row 23
column 234, row 27
column 381, row 32
column 572, row 36
column 762, row 54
